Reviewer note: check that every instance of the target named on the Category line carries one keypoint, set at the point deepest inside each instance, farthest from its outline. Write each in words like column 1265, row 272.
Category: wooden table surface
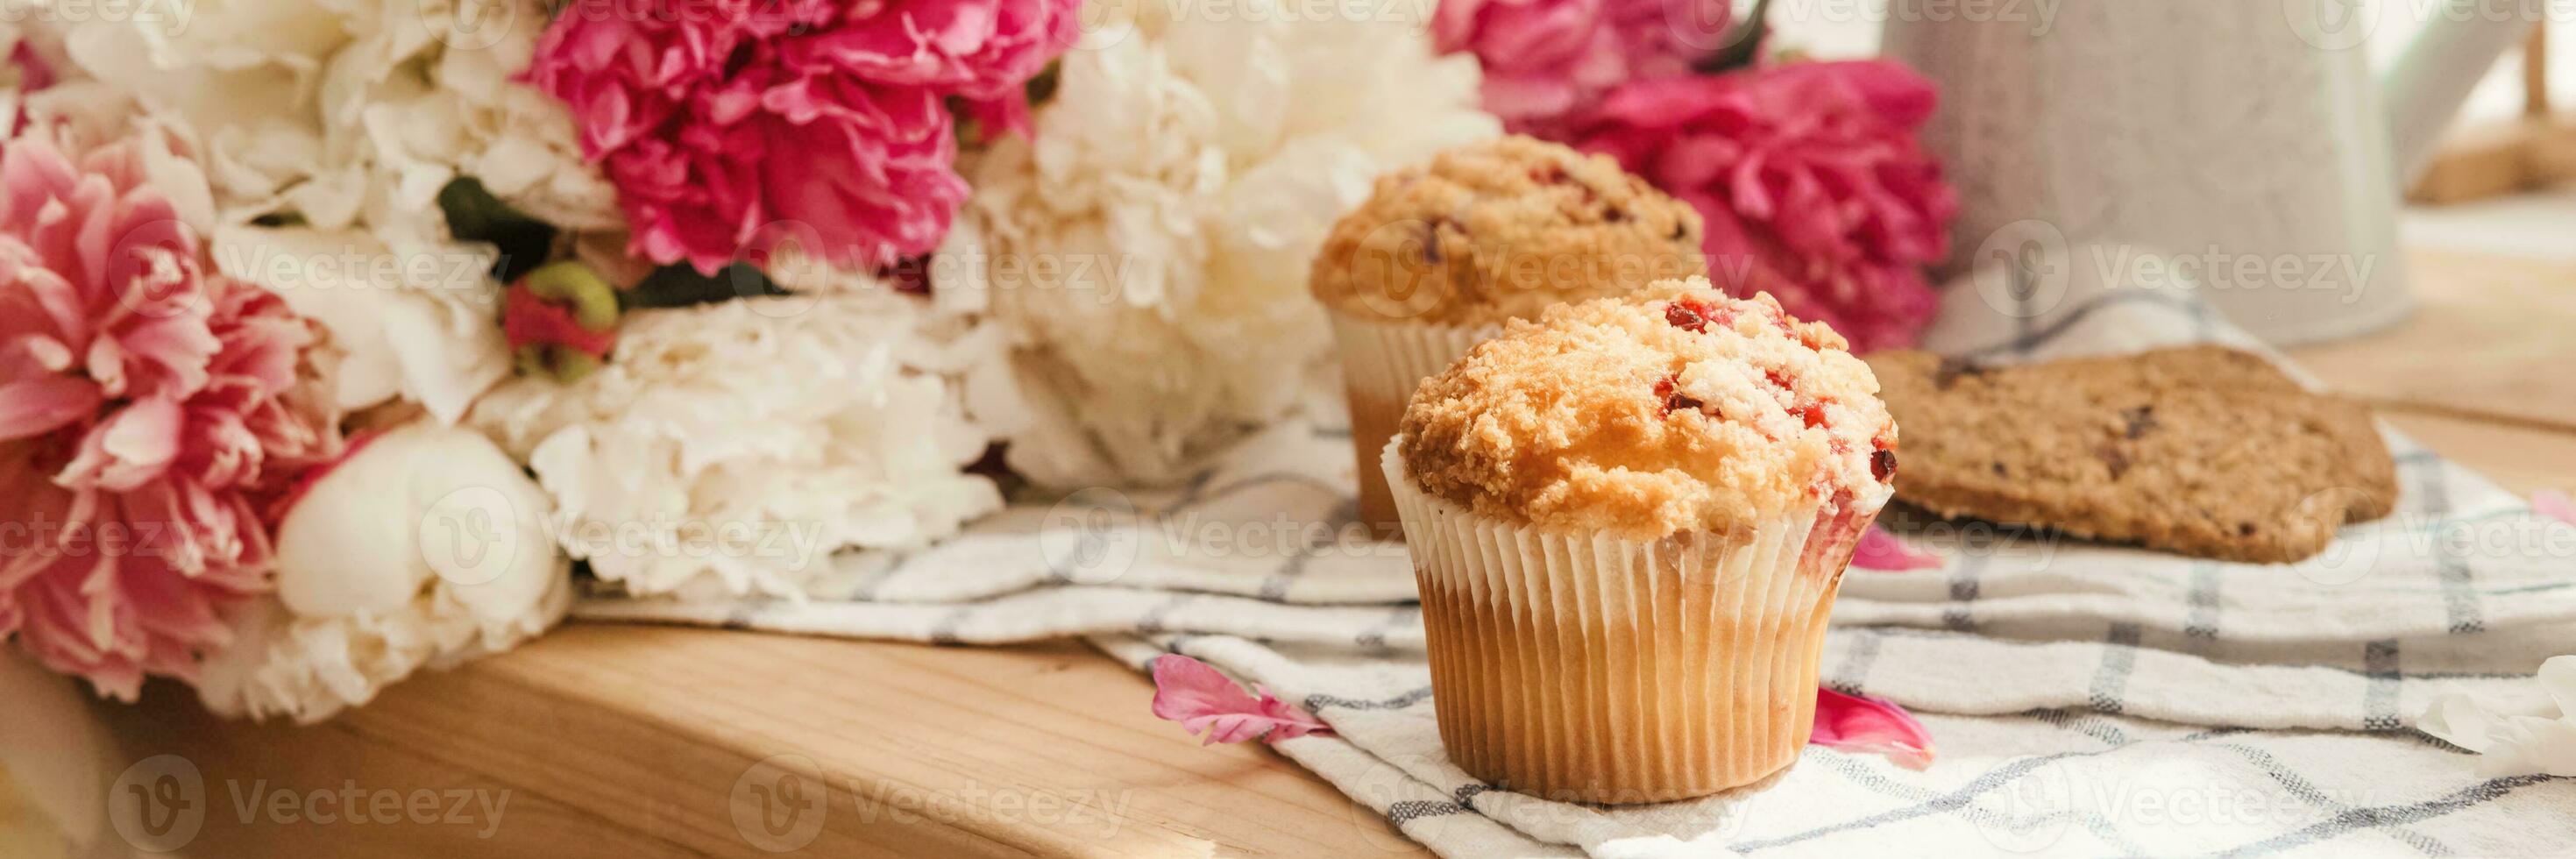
column 629, row 741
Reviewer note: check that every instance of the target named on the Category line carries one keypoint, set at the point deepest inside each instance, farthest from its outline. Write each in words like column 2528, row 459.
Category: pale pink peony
column 148, row 414
column 1811, row 180
column 731, row 126
column 1547, row 62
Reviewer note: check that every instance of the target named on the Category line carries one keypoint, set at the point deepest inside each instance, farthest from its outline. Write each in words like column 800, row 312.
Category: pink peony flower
column 1548, row 61
column 148, row 413
column 1811, row 181
column 732, row 126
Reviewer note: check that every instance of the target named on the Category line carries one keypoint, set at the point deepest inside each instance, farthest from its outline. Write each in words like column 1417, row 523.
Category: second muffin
column 1441, row 255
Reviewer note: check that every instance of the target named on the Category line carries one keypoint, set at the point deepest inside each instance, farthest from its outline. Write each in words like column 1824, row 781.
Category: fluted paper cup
column 1382, row 363
column 1586, row 668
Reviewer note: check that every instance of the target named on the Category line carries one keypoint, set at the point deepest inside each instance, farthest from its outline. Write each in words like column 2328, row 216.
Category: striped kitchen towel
column 2086, row 699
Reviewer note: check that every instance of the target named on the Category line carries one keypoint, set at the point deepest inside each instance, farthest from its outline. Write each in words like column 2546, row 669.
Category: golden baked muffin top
column 1674, row 409
column 1500, row 230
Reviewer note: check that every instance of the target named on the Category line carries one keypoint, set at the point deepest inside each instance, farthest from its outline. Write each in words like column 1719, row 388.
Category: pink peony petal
column 127, row 448
column 2555, row 505
column 41, row 405
column 1203, row 699
column 1858, row 723
column 1881, row 551
column 33, row 72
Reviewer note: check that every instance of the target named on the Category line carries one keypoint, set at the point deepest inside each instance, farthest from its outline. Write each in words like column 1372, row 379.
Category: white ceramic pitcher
column 2241, row 142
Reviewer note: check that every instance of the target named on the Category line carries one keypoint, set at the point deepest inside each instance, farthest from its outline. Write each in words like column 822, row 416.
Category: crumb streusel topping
column 1675, row 409
column 1501, row 230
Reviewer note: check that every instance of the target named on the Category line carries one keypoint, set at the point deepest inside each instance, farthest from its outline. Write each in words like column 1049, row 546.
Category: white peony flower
column 421, row 326
column 242, row 72
column 731, row 448
column 2515, row 734
column 424, row 548
column 1149, row 247
column 338, row 109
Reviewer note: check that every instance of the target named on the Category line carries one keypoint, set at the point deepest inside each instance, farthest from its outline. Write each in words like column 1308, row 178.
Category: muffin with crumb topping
column 1441, row 255
column 1629, row 519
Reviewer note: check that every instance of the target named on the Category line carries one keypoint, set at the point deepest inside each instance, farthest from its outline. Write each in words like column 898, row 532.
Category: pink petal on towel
column 1879, row 550
column 2555, row 505
column 1858, row 723
column 1202, row 699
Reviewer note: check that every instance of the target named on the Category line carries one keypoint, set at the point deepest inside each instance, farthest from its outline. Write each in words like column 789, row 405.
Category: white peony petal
column 414, row 325
column 2558, row 681
column 2526, row 731
column 450, row 353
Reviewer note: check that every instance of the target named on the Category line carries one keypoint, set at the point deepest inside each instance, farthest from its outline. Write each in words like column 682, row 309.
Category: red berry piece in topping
column 1685, row 315
column 1882, row 465
column 1675, row 401
column 1694, row 315
column 1776, row 379
column 1812, row 412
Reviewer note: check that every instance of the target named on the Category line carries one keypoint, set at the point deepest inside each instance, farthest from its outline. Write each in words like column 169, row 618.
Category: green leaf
column 680, row 285
column 1042, row 86
column 474, row 215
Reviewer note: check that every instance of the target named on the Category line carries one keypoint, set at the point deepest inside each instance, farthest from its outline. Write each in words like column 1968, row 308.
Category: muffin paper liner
column 1588, row 668
column 1381, row 365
